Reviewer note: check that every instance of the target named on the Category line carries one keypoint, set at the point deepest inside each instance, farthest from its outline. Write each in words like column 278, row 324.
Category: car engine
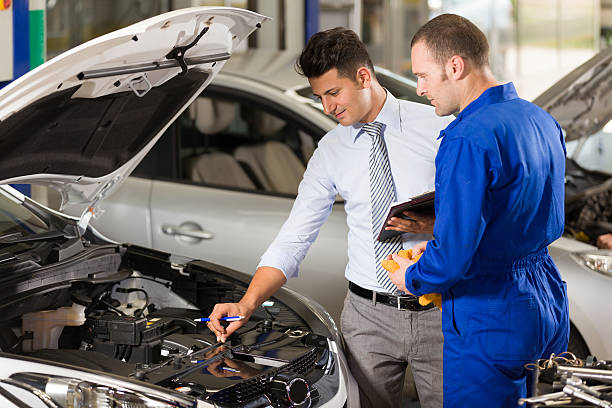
column 588, row 203
column 144, row 327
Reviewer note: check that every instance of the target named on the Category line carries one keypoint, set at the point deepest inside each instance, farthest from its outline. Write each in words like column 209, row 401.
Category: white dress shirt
column 339, row 165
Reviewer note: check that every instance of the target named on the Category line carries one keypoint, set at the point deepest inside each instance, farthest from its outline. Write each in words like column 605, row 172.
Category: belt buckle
column 399, row 302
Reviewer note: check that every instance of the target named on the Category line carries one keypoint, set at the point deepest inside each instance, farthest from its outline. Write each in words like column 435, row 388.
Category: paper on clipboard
column 421, row 203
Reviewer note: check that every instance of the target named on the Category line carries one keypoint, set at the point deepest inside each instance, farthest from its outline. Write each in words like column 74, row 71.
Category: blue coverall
column 499, row 203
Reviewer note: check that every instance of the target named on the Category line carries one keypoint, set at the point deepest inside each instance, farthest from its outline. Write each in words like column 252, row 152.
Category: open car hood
column 81, row 122
column 582, row 100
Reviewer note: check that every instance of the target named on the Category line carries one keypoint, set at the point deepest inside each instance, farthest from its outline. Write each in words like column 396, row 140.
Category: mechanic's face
column 433, row 82
column 349, row 100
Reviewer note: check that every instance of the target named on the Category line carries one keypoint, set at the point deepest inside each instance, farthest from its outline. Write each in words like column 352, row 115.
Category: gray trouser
column 381, row 341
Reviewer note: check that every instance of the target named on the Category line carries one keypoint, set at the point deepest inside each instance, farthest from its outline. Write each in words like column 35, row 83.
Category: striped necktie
column 382, row 194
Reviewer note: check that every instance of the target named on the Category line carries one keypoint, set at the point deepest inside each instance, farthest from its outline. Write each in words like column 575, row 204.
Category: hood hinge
column 93, row 210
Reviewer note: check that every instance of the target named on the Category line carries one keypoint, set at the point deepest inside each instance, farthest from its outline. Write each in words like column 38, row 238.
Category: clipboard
column 421, row 203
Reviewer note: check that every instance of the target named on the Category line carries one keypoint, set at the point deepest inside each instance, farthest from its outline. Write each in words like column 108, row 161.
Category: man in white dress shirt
column 383, row 333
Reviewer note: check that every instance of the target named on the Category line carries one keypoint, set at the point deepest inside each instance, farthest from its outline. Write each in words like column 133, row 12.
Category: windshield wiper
column 12, row 239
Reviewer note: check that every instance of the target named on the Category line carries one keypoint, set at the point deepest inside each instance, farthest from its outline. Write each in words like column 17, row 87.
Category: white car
column 88, row 322
column 222, row 181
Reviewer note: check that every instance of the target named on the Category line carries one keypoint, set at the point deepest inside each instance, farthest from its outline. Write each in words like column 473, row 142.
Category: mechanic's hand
column 399, row 277
column 604, row 241
column 223, row 310
column 422, row 224
column 419, row 248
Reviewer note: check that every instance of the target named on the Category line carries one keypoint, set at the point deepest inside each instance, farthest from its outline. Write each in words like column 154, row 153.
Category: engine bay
column 143, row 327
column 588, row 203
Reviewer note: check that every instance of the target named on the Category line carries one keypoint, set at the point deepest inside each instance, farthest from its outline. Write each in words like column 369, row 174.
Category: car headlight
column 72, row 393
column 598, row 261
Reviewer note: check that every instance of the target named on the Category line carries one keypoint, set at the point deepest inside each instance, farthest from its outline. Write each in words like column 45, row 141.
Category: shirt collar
column 389, row 116
column 495, row 94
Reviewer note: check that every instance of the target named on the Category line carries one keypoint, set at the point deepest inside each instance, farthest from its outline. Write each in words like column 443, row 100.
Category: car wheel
column 577, row 344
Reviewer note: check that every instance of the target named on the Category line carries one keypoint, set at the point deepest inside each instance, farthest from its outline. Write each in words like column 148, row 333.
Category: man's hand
column 399, row 277
column 224, row 310
column 265, row 283
column 419, row 248
column 422, row 224
column 604, row 241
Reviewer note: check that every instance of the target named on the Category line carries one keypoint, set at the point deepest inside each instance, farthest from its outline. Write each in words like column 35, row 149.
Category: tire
column 576, row 344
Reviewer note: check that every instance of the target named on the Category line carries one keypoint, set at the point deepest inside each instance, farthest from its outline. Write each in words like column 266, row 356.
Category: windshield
column 16, row 220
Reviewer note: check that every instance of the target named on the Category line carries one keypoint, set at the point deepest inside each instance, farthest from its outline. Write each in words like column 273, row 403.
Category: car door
column 211, row 197
column 239, row 228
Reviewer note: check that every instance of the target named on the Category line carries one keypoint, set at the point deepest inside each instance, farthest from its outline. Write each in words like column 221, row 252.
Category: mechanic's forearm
column 265, row 283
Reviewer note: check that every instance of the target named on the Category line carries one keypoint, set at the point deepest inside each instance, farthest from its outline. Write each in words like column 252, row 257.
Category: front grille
column 304, row 364
column 256, row 386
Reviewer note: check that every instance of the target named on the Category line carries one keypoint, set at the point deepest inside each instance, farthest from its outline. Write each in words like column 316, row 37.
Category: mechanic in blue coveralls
column 499, row 203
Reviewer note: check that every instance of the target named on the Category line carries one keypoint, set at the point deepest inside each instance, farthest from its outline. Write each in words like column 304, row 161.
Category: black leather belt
column 407, row 302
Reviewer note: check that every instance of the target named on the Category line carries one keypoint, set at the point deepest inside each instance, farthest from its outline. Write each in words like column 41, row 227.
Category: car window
column 595, row 152
column 400, row 86
column 16, row 219
column 238, row 143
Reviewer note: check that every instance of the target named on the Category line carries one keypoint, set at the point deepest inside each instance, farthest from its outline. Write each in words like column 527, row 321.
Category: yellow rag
column 392, row 266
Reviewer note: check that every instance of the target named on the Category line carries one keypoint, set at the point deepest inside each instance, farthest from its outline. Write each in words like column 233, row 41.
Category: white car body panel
column 588, row 292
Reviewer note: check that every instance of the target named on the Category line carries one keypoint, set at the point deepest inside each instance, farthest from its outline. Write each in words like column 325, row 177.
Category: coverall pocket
column 453, row 313
column 513, row 328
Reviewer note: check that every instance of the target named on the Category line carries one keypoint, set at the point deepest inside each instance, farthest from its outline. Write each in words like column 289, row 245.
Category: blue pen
column 226, row 318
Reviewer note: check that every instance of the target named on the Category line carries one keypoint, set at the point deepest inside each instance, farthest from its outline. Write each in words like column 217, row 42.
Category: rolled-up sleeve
column 312, row 206
column 463, row 174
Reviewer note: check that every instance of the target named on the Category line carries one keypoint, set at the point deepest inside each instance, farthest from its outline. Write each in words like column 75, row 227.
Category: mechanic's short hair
column 338, row 48
column 450, row 34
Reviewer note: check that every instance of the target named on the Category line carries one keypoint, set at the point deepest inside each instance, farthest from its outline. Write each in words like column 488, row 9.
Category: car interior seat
column 307, row 145
column 247, row 156
column 213, row 116
column 217, row 168
column 282, row 167
column 273, row 162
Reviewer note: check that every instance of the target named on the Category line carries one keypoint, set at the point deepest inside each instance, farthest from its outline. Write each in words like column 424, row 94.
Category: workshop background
column 533, row 42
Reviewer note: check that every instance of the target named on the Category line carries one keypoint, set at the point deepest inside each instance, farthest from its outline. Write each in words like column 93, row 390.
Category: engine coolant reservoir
column 47, row 326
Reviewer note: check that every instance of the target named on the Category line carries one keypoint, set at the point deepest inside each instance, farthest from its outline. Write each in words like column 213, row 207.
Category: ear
column 456, row 67
column 363, row 77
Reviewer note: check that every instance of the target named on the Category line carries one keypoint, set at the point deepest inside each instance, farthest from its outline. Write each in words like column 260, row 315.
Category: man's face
column 432, row 81
column 348, row 100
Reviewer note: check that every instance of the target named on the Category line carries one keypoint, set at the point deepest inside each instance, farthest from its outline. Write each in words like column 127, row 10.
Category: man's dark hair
column 338, row 48
column 450, row 34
